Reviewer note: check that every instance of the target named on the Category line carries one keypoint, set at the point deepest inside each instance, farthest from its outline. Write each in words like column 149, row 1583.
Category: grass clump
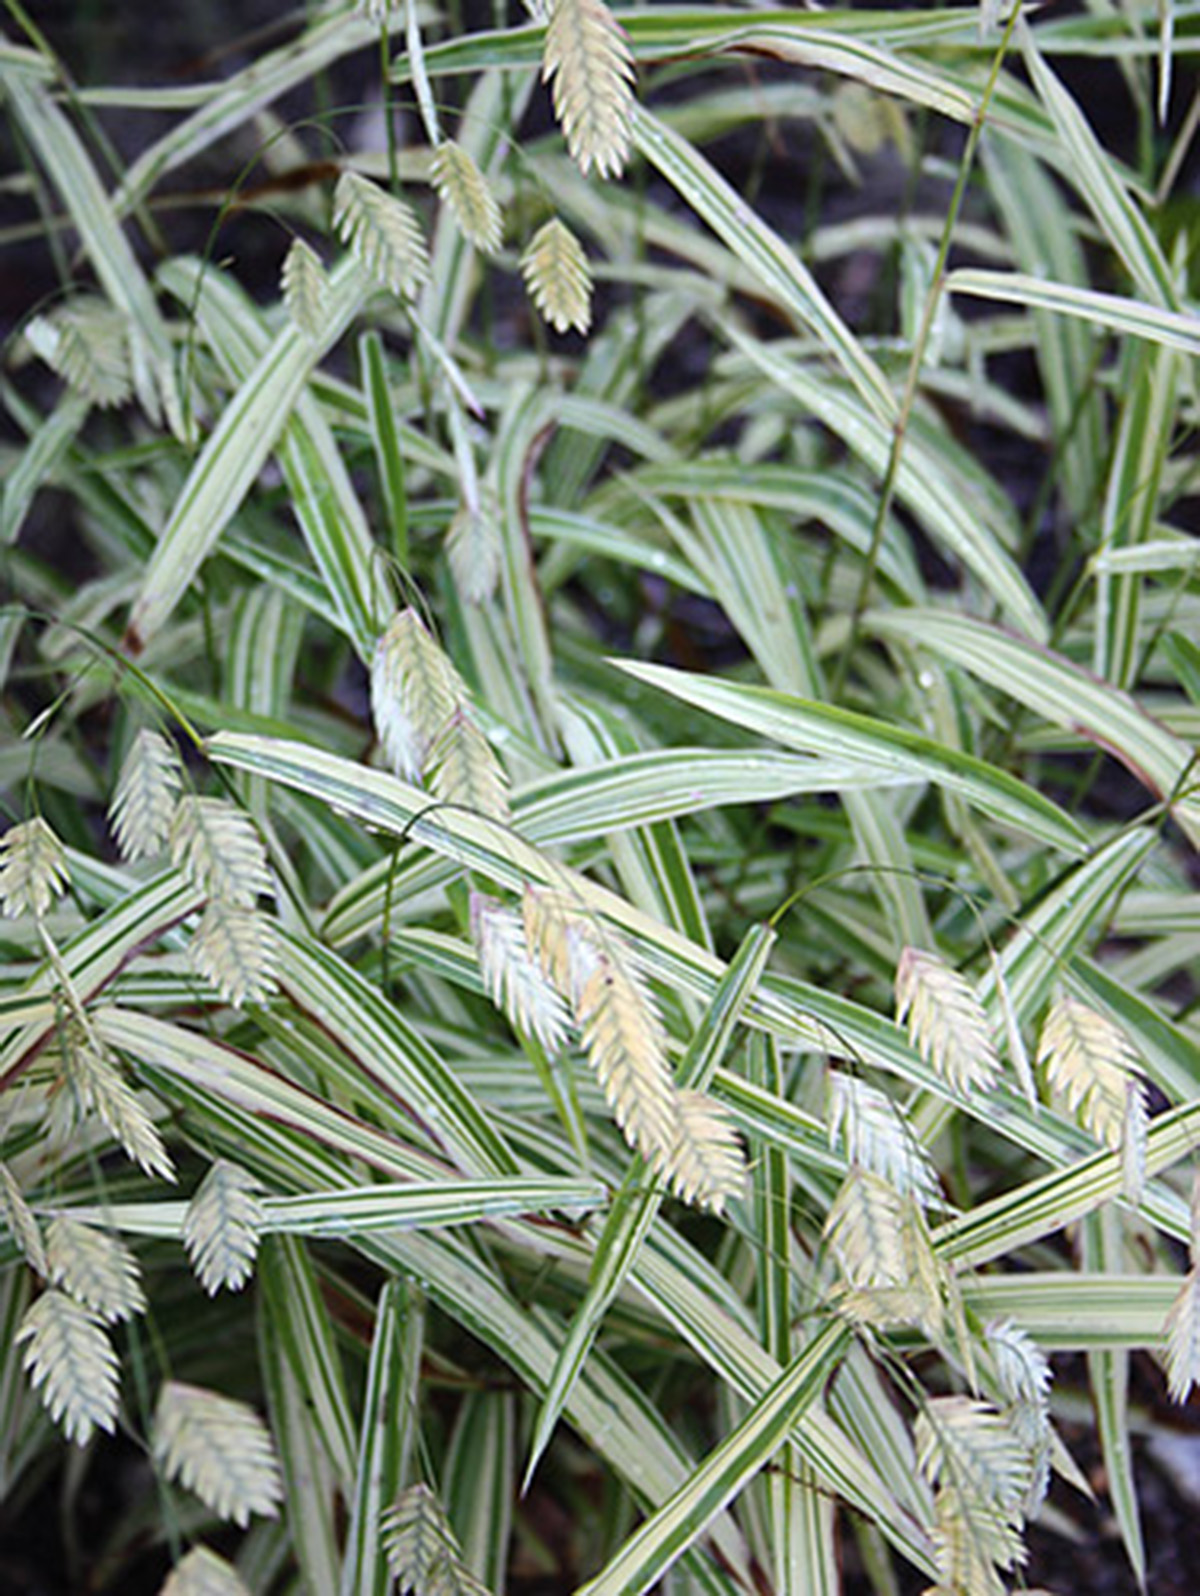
column 638, row 970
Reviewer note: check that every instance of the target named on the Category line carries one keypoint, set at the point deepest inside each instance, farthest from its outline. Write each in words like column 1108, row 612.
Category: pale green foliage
column 465, row 189
column 33, row 868
column 865, row 1229
column 558, row 277
column 946, row 1021
column 422, row 1551
column 1023, row 1379
column 625, row 1042
column 19, row 1220
column 423, row 718
column 550, row 918
column 218, row 1448
column 217, row 847
column 588, row 62
column 305, row 288
column 95, row 1267
column 223, row 1226
column 203, row 1573
column 806, row 504
column 382, row 232
column 144, row 802
column 1022, row 1370
column 514, row 980
column 72, row 1365
column 87, row 345
column 882, row 1244
column 234, row 947
column 93, row 1085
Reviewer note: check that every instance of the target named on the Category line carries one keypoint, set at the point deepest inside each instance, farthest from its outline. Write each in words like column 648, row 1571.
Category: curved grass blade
column 925, row 481
column 765, row 254
column 843, row 734
column 1064, row 695
column 250, row 426
column 302, row 1334
column 355, row 1013
column 679, row 1523
column 386, row 1437
column 1132, row 318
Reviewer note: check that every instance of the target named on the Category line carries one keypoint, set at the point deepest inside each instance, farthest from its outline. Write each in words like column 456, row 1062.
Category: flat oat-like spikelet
column 216, row 846
column 140, row 815
column 203, row 1573
column 705, row 1165
column 72, row 1365
column 422, row 1550
column 1092, row 1069
column 876, row 1136
column 18, row 1219
column 1023, row 1377
column 551, row 921
column 305, row 289
column 95, row 1083
column 588, row 61
column 95, row 1268
column 414, row 691
column 1022, row 1369
column 223, row 1226
column 946, row 1021
column 464, row 188
column 1182, row 1332
column 462, row 768
column 218, row 1448
column 864, row 1226
column 235, row 947
column 981, row 1468
column 87, row 345
column 473, row 549
column 382, row 232
column 626, row 1045
column 514, row 980
column 33, row 868
column 558, row 277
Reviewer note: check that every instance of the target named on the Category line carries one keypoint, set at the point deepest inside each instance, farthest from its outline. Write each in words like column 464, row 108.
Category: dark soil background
column 55, row 1529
